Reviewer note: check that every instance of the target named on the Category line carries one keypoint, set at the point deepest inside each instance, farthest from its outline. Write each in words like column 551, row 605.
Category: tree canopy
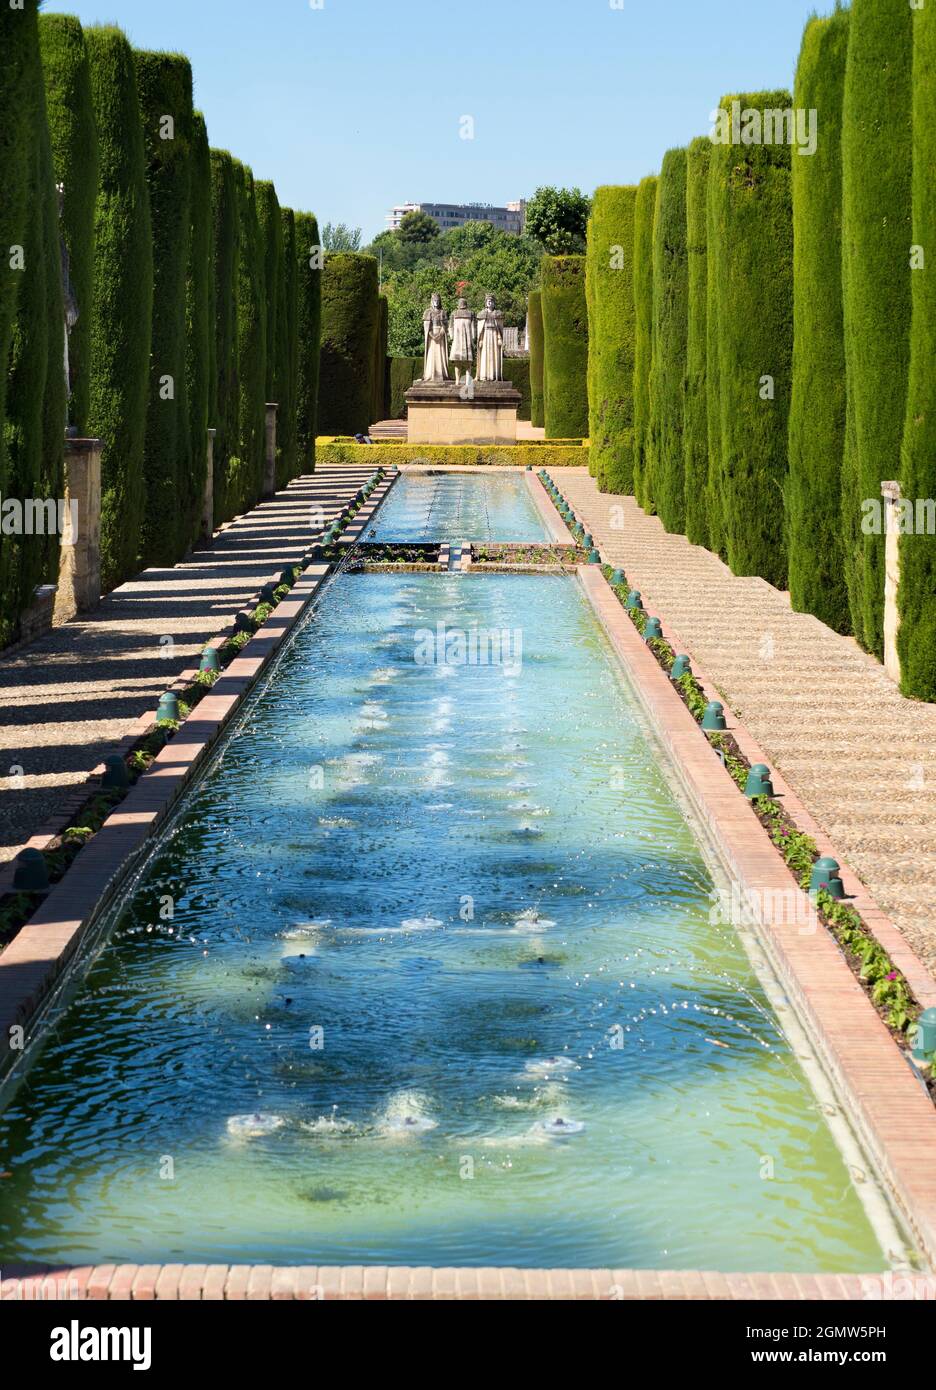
column 558, row 219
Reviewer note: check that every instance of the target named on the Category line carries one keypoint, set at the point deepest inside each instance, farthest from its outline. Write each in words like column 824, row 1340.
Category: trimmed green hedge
column 224, row 397
column 164, row 82
column 751, row 261
column 876, row 237
column 565, row 334
column 714, row 507
column 75, row 158
column 611, row 329
column 245, row 483
column 539, row 454
column 535, row 335
column 287, row 355
column 917, row 593
column 350, row 322
column 665, row 482
column 380, row 359
column 817, row 408
column 269, row 217
column 644, row 214
column 200, row 361
column 122, row 301
column 403, row 372
column 308, row 260
column 517, row 370
column 695, row 425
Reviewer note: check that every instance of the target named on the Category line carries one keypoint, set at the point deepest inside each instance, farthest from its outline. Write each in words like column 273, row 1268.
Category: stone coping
column 887, row 1105
column 37, row 957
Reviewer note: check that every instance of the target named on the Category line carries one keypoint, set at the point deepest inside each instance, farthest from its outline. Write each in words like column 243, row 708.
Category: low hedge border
column 334, row 452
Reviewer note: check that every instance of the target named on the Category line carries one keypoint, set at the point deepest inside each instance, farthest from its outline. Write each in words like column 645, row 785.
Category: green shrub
column 695, row 425
column 224, row 397
column 610, row 277
column 665, row 482
column 246, row 482
column 308, row 259
column 350, row 320
column 75, row 159
column 535, row 335
column 644, row 213
column 565, row 337
column 269, row 216
column 714, row 505
column 517, row 370
column 164, row 82
column 200, row 362
column 917, row 593
column 538, row 454
column 403, row 372
column 287, row 355
column 122, row 301
column 751, row 259
column 817, row 408
column 876, row 236
column 379, row 410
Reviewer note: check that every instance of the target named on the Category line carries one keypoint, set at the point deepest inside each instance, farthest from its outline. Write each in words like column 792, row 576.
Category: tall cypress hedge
column 122, row 300
column 380, row 359
column 817, row 409
column 644, row 213
column 403, row 372
column 751, row 258
column 917, row 592
column 876, row 236
column 200, row 364
column 34, row 427
column 714, row 506
column 308, row 261
column 164, row 82
column 565, row 337
column 270, row 218
column 75, row 158
column 350, row 322
column 665, row 485
column 246, row 483
column 18, row 40
column 224, row 395
column 287, row 354
column 610, row 276
column 695, row 424
column 535, row 334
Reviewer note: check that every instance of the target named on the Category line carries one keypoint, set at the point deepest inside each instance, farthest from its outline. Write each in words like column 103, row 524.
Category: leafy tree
column 557, row 218
column 338, row 236
column 419, row 227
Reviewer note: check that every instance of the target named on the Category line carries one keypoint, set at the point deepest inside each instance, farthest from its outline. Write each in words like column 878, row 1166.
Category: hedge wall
column 817, row 408
column 122, row 301
column 644, row 213
column 286, row 379
column 350, row 321
column 714, row 507
column 517, row 370
column 269, row 216
column 164, row 81
column 379, row 410
column 565, row 358
column 665, row 481
column 917, row 638
column 876, row 236
column 403, row 372
column 245, row 483
column 75, row 159
column 224, row 396
column 536, row 454
column 535, row 334
column 751, row 260
column 200, row 359
column 695, row 422
column 308, row 260
column 610, row 275
column 18, row 47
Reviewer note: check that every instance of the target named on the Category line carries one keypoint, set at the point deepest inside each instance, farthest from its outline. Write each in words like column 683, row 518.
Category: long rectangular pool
column 436, row 506
column 427, row 972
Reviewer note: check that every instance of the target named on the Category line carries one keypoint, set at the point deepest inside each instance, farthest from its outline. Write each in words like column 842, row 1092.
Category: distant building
column 448, row 215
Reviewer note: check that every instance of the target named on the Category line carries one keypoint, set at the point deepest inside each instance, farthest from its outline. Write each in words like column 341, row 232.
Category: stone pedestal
column 443, row 413
column 79, row 586
column 269, row 472
column 890, row 491
column 207, row 516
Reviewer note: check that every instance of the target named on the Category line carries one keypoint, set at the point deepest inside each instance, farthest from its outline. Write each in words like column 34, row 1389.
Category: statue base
column 439, row 412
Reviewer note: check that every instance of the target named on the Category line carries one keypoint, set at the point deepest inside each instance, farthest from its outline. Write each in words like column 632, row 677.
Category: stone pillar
column 890, row 491
column 269, row 472
column 79, row 586
column 207, row 516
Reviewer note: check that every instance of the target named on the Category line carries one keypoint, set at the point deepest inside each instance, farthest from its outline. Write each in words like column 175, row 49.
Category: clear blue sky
column 356, row 106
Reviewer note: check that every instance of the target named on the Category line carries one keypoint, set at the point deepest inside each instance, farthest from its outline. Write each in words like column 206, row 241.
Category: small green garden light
column 31, row 874
column 681, row 667
column 168, row 707
column 288, row 575
column 617, row 579
column 825, row 876
column 713, row 720
column 243, row 623
column 758, row 782
column 210, row 661
column 924, row 1035
column 594, row 558
column 116, row 775
column 653, row 629
column 268, row 593
column 588, row 541
column 634, row 600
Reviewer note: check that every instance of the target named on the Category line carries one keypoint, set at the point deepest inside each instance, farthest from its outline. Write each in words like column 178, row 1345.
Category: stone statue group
column 463, row 338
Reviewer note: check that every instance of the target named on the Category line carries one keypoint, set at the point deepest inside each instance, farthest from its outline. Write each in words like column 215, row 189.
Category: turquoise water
column 475, row 881
column 493, row 506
